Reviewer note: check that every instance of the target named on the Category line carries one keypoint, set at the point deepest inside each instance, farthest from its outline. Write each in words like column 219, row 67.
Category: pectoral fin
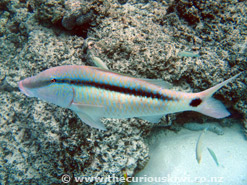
column 90, row 114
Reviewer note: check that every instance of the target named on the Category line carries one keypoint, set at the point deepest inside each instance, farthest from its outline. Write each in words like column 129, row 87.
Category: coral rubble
column 40, row 142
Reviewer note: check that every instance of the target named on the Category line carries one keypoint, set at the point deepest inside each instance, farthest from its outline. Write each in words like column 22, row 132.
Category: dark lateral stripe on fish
column 125, row 90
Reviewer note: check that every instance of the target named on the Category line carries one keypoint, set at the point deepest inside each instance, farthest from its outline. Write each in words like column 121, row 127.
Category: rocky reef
column 213, row 127
column 40, row 142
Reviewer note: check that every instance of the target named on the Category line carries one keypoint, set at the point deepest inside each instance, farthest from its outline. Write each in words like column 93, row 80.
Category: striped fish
column 93, row 93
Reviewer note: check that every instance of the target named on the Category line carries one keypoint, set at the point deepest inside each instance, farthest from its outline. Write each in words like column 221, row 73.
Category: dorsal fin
column 158, row 82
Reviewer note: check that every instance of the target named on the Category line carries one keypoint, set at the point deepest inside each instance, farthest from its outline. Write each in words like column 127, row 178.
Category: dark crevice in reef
column 4, row 86
column 58, row 28
column 195, row 11
column 80, row 31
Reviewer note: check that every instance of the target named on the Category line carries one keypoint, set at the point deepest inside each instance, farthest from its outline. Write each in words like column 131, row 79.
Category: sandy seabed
column 172, row 158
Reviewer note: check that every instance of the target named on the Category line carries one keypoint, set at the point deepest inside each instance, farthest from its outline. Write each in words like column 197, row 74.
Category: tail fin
column 210, row 106
column 213, row 108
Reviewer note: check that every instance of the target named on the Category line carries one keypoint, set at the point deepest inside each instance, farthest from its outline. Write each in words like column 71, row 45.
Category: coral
column 48, row 141
column 3, row 23
column 50, row 11
column 74, row 15
column 188, row 11
column 77, row 14
column 4, row 86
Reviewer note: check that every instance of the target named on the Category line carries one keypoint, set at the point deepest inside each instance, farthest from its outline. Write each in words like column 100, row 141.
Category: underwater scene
column 123, row 92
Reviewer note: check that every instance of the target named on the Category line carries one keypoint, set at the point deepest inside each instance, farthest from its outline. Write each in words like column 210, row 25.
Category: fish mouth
column 23, row 89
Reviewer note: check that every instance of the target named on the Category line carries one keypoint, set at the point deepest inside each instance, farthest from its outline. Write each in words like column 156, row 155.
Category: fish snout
column 23, row 89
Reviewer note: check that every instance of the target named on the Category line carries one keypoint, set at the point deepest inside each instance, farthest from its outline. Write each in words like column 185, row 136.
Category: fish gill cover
column 40, row 142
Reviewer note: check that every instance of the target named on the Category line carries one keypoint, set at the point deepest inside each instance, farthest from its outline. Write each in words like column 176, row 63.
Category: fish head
column 46, row 87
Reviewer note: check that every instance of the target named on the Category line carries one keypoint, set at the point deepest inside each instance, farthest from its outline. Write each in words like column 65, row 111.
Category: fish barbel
column 93, row 93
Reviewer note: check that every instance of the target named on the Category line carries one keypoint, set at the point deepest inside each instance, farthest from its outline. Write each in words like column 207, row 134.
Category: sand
column 172, row 155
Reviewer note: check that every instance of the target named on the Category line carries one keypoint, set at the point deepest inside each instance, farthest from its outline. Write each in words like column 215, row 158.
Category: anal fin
column 96, row 123
column 90, row 114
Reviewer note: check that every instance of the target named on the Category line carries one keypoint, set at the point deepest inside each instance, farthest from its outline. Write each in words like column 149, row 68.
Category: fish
column 90, row 48
column 199, row 146
column 126, row 178
column 94, row 93
column 97, row 62
column 213, row 156
column 188, row 54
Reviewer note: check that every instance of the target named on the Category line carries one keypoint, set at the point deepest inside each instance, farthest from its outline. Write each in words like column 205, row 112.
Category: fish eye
column 53, row 80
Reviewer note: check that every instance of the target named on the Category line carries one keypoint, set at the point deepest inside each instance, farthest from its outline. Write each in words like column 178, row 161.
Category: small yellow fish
column 188, row 54
column 125, row 177
column 213, row 156
column 98, row 62
column 89, row 45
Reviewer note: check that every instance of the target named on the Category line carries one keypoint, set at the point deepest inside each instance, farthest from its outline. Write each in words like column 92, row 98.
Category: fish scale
column 93, row 93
